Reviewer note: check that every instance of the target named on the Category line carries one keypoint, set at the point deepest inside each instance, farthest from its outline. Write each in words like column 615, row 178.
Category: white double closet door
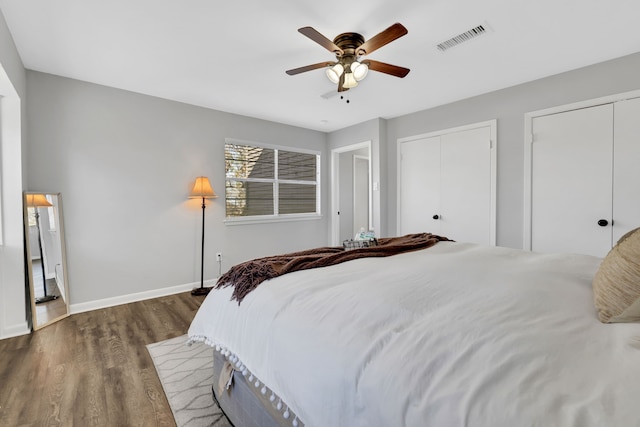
column 447, row 184
column 585, row 178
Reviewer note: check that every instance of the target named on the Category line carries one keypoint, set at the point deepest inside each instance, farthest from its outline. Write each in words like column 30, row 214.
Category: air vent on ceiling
column 463, row 37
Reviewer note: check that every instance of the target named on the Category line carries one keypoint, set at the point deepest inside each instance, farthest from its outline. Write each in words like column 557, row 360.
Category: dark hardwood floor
column 92, row 369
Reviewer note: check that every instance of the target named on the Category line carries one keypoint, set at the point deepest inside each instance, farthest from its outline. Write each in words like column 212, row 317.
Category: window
column 31, row 216
column 265, row 182
column 52, row 217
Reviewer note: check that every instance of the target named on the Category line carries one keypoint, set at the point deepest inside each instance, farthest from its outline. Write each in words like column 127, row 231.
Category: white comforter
column 453, row 335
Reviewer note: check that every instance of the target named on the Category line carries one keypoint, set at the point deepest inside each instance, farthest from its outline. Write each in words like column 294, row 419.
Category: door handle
column 603, row 223
column 436, row 217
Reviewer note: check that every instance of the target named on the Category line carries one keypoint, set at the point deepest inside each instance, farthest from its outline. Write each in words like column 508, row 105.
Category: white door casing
column 334, row 237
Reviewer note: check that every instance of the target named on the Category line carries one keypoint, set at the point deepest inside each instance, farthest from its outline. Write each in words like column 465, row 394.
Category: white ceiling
column 232, row 55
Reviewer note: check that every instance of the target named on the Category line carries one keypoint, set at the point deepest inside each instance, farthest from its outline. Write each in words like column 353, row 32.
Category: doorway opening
column 351, row 190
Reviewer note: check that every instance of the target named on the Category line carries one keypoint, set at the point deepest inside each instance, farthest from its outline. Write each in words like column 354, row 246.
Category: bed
column 457, row 334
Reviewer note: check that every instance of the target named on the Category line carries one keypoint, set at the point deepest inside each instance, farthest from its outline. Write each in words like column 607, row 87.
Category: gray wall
column 12, row 167
column 508, row 106
column 125, row 163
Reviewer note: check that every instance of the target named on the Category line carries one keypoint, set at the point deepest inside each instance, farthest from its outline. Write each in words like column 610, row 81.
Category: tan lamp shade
column 37, row 201
column 202, row 189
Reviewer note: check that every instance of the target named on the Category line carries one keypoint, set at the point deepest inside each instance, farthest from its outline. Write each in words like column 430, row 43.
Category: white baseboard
column 15, row 331
column 139, row 296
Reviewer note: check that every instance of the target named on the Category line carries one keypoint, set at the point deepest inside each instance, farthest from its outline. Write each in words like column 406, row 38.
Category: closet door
column 571, row 181
column 626, row 169
column 465, row 195
column 420, row 186
column 447, row 184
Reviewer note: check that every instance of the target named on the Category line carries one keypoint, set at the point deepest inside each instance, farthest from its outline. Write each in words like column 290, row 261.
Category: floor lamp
column 202, row 189
column 36, row 201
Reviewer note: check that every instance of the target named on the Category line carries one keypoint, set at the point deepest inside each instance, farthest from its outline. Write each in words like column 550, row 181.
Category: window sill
column 270, row 219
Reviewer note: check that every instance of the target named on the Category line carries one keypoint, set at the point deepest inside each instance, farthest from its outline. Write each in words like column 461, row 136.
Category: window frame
column 276, row 217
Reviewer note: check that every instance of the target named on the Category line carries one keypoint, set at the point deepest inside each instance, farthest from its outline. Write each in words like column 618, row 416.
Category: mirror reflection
column 46, row 258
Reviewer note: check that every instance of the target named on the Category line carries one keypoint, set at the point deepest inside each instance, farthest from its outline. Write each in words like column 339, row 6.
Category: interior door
column 345, row 196
column 626, row 173
column 571, row 182
column 465, row 197
column 420, row 186
column 360, row 194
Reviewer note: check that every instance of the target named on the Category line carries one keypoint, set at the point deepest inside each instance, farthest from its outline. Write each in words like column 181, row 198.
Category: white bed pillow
column 616, row 285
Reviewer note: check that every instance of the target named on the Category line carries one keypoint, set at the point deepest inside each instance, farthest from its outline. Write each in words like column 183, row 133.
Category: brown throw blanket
column 247, row 276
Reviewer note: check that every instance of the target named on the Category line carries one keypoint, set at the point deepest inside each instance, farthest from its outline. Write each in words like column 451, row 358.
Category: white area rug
column 186, row 374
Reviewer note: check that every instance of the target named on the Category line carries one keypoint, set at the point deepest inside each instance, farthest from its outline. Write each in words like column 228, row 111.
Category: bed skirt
column 243, row 404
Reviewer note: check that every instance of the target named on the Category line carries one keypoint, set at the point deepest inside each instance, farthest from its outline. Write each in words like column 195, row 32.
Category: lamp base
column 200, row 291
column 46, row 299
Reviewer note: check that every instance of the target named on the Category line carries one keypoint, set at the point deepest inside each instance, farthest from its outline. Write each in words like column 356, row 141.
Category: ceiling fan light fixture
column 347, row 70
column 359, row 70
column 334, row 73
column 349, row 81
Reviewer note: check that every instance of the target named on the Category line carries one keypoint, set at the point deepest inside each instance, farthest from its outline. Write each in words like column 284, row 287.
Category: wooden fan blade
column 395, row 31
column 382, row 67
column 304, row 69
column 320, row 39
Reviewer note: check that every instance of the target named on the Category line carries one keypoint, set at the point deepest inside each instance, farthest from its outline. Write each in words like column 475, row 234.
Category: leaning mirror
column 46, row 258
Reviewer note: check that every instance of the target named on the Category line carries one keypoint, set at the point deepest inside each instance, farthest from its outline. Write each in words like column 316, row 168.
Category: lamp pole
column 202, row 188
column 202, row 249
column 46, row 297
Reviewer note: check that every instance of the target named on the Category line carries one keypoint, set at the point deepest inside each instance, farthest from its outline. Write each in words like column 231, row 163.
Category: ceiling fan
column 349, row 68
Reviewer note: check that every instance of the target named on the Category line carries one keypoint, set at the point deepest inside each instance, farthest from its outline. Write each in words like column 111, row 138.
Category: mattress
column 454, row 335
